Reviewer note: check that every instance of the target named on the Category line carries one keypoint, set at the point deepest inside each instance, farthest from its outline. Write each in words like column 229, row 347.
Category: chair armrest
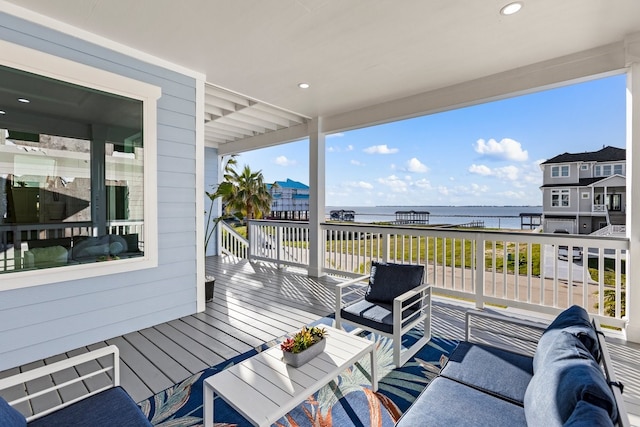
column 616, row 387
column 47, row 370
column 400, row 299
column 340, row 290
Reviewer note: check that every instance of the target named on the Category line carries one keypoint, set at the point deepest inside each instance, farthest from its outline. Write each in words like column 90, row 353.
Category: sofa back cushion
column 575, row 321
column 9, row 416
column 389, row 281
column 569, row 375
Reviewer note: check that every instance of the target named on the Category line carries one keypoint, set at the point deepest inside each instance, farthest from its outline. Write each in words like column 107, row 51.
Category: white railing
column 231, row 243
column 516, row 269
column 599, row 208
column 284, row 242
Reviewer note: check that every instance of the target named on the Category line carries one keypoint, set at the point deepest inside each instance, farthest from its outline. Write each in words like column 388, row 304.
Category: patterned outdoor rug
column 347, row 401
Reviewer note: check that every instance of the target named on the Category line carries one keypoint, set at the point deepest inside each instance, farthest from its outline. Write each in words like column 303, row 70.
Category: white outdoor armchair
column 393, row 302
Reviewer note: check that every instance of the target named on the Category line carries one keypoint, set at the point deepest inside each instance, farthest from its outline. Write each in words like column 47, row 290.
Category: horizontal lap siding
column 45, row 320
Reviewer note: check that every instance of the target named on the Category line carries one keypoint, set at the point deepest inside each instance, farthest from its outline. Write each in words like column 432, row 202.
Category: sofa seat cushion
column 495, row 371
column 448, row 403
column 112, row 407
column 569, row 375
column 9, row 416
column 375, row 316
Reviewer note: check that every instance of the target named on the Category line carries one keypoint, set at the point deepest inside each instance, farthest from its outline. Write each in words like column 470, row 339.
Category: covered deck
column 254, row 303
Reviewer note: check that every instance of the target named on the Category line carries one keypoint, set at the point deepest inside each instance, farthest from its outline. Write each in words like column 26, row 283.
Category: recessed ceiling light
column 2, row 112
column 511, row 8
column 24, row 100
column 304, row 85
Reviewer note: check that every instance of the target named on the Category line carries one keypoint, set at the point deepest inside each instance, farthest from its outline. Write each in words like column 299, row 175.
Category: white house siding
column 40, row 321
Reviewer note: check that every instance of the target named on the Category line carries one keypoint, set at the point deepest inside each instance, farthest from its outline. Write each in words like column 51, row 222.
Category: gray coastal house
column 584, row 193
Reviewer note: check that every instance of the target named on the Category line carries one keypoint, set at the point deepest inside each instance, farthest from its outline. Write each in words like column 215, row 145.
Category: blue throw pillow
column 389, row 281
column 574, row 320
column 569, row 375
column 588, row 415
column 9, row 416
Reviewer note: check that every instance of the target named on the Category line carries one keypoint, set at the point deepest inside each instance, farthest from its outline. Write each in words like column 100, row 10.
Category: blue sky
column 487, row 154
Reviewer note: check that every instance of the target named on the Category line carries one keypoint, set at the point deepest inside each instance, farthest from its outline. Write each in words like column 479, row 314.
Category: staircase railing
column 232, row 243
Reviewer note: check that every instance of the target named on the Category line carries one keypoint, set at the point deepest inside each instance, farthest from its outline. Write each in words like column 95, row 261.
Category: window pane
column 71, row 174
column 565, row 170
column 606, row 170
column 617, row 169
column 555, row 171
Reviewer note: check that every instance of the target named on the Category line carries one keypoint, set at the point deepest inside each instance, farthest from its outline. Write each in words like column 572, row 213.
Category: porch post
column 316, row 196
column 633, row 199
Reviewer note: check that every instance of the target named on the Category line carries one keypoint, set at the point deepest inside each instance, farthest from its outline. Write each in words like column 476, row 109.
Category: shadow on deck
column 255, row 303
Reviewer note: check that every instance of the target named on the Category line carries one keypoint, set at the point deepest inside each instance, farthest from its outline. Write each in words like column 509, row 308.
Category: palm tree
column 244, row 195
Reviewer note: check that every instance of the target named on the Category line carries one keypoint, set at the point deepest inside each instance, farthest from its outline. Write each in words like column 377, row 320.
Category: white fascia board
column 283, row 136
column 575, row 68
column 54, row 24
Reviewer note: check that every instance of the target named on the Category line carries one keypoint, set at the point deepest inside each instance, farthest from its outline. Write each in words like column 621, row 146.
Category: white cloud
column 414, row 165
column 507, row 172
column 443, row 190
column 349, row 147
column 362, row 184
column 356, row 163
column 424, row 184
column 480, row 170
column 506, row 149
column 283, row 161
column 380, row 149
column 394, row 183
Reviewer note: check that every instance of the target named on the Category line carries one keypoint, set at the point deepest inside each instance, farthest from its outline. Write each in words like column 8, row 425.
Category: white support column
column 316, row 196
column 633, row 202
column 200, row 186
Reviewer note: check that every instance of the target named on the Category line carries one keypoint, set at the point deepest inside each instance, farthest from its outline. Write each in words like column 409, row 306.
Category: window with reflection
column 71, row 174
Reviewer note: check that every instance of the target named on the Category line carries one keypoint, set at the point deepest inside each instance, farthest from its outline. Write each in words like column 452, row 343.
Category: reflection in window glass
column 71, row 174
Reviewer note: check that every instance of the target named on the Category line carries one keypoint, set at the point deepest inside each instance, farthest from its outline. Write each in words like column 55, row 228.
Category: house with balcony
column 290, row 200
column 585, row 192
column 115, row 116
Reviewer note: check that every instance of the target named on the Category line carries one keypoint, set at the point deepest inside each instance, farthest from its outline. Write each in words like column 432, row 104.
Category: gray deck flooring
column 255, row 303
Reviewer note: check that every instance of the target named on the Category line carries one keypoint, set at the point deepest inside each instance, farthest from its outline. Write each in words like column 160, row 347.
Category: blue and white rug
column 346, row 401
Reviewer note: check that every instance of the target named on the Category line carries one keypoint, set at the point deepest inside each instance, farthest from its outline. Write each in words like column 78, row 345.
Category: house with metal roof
column 290, row 200
column 585, row 192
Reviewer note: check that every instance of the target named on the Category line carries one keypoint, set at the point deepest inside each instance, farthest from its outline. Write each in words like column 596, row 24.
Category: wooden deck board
column 256, row 303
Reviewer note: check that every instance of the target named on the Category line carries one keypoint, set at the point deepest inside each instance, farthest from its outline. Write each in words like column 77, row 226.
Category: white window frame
column 557, row 171
column 584, row 167
column 585, row 195
column 560, row 194
column 33, row 61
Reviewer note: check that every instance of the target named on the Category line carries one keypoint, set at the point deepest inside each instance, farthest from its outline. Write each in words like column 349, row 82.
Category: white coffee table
column 263, row 388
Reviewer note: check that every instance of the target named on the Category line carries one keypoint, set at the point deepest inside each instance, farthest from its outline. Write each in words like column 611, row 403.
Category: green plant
column 303, row 339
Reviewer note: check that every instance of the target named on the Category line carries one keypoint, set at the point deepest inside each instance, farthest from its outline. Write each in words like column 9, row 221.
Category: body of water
column 503, row 217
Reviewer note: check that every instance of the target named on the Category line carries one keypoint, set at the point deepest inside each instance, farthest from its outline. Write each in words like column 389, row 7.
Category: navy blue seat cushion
column 112, row 407
column 448, row 403
column 575, row 321
column 588, row 415
column 492, row 370
column 569, row 375
column 375, row 316
column 9, row 416
column 389, row 281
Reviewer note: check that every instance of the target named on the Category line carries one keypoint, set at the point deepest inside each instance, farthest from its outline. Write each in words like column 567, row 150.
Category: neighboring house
column 290, row 200
column 584, row 192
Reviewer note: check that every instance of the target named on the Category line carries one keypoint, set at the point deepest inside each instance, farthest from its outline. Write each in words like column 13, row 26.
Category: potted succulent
column 304, row 345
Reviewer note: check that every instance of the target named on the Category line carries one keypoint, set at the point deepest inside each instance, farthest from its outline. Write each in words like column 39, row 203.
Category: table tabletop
column 263, row 388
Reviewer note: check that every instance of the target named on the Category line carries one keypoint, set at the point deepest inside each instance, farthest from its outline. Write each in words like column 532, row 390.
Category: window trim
column 560, row 193
column 33, row 61
column 559, row 169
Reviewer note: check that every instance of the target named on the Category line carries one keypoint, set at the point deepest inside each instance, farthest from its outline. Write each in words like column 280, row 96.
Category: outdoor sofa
column 94, row 398
column 569, row 380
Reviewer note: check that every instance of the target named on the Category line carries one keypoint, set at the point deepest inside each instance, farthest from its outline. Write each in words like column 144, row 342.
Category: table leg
column 374, row 369
column 208, row 405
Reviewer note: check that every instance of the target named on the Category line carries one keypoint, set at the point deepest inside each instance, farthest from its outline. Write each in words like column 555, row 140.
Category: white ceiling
column 355, row 53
